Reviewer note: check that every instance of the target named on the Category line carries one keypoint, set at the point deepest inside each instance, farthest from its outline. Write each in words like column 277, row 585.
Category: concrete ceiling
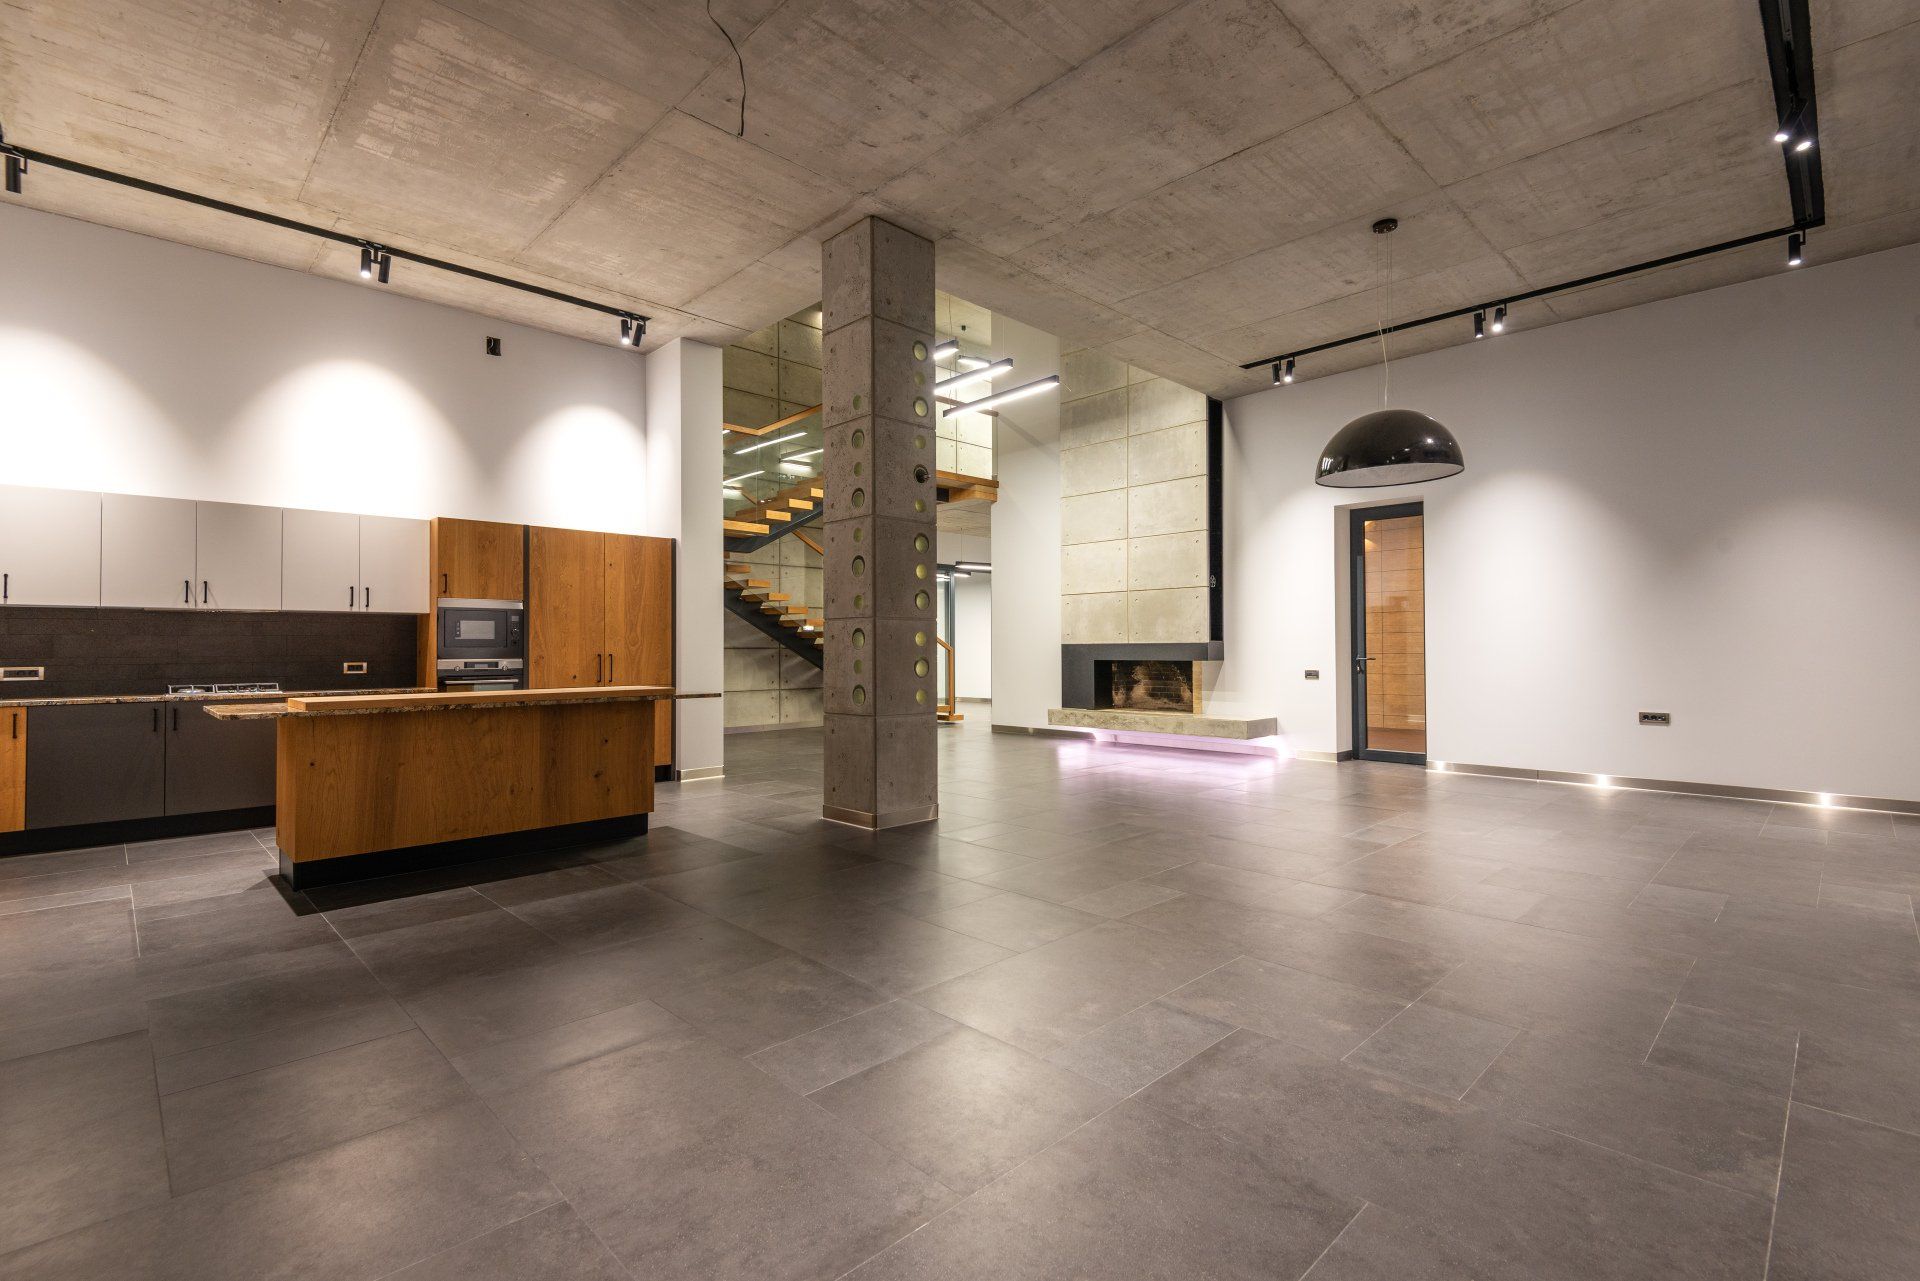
column 1185, row 183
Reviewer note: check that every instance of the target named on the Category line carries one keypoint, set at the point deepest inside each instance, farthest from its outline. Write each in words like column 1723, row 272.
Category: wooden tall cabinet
column 478, row 559
column 13, row 768
column 600, row 612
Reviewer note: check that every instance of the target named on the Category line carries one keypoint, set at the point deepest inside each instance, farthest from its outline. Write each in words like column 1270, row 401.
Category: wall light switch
column 1313, row 673
column 493, row 346
column 1656, row 718
column 353, row 669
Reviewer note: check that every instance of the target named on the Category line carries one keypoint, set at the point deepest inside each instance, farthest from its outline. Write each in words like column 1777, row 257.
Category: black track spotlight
column 1479, row 324
column 1499, row 325
column 1796, row 243
column 1276, row 371
column 386, row 265
column 366, row 262
column 1781, row 134
column 1286, row 375
column 16, row 166
column 375, row 263
column 1804, row 142
column 626, row 331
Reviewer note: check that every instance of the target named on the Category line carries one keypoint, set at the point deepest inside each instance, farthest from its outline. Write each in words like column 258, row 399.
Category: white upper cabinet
column 49, row 547
column 238, row 555
column 393, row 565
column 147, row 552
column 320, row 561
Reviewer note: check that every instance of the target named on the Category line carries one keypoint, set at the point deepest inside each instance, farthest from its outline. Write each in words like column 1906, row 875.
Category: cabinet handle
column 16, row 725
column 443, row 582
column 609, row 669
column 6, row 585
column 366, row 598
column 156, row 720
column 176, row 720
column 598, row 660
column 203, row 591
column 186, row 591
column 349, row 597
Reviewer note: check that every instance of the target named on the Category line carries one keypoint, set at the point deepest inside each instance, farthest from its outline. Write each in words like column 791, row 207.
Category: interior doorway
column 1389, row 633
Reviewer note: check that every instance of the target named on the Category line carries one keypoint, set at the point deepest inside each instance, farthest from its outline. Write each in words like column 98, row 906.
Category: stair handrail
column 953, row 694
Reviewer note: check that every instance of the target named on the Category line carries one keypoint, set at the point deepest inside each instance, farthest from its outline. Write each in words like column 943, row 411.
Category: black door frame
column 1357, row 519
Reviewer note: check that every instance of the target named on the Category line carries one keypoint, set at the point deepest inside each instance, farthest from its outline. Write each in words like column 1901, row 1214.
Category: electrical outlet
column 23, row 673
column 493, row 346
column 353, row 669
column 1313, row 673
column 1656, row 718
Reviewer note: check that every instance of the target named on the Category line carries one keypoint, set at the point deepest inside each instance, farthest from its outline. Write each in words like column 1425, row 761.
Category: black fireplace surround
column 1086, row 671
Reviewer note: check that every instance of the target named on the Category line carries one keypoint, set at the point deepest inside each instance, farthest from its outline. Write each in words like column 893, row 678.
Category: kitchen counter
column 374, row 784
column 98, row 700
column 433, row 700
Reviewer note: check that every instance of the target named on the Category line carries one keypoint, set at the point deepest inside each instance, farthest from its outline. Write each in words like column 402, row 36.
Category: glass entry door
column 1389, row 633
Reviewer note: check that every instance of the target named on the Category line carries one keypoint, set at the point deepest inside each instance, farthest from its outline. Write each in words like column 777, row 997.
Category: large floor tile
column 298, row 987
column 1291, row 1005
column 1436, row 1049
column 419, row 957
column 272, row 1048
column 878, row 946
column 1014, row 921
column 230, row 1127
column 765, row 1004
column 1849, row 1201
column 689, row 1163
column 1044, row 999
column 819, row 1058
column 553, row 1244
column 67, row 937
column 1139, row 1047
column 965, row 1107
column 361, row 1209
column 1132, row 1194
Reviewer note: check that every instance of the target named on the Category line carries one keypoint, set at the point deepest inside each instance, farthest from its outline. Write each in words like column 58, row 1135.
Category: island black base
column 362, row 867
column 132, row 831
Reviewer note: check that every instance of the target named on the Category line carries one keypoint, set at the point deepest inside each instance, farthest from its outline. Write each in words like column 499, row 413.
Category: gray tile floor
column 1120, row 1013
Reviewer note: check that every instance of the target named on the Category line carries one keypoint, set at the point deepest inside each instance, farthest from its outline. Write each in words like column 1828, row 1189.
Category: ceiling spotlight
column 1499, row 325
column 1795, row 243
column 1479, row 324
column 626, row 331
column 1805, row 144
column 1781, row 134
column 982, row 374
column 1286, row 375
column 1002, row 397
column 632, row 329
column 375, row 261
column 366, row 262
column 16, row 165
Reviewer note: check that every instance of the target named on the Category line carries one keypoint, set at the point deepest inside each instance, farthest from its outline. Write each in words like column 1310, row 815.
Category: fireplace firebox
column 1144, row 685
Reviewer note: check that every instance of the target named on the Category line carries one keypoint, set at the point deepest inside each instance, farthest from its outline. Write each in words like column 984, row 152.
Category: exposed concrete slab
column 1870, row 123
column 453, row 129
column 1075, row 30
column 1584, row 68
column 677, row 213
column 1001, row 286
column 237, row 93
column 1374, row 43
column 1206, row 81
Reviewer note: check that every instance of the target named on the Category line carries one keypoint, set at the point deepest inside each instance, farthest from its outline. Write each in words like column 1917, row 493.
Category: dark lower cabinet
column 217, row 765
column 104, row 762
column 95, row 763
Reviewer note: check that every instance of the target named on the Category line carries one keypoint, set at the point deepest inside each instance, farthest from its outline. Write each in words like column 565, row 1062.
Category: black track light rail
column 1789, row 35
column 306, row 228
column 1598, row 278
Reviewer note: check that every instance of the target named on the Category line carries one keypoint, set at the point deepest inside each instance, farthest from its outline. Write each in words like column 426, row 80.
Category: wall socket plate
column 1656, row 718
column 23, row 673
column 353, row 669
column 1313, row 673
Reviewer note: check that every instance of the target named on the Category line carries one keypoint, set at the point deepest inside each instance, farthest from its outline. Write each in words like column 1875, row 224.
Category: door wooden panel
column 640, row 623
column 478, row 559
column 566, row 608
column 13, row 768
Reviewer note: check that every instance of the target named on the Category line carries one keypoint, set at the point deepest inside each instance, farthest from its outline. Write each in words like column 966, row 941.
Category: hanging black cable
column 741, row 62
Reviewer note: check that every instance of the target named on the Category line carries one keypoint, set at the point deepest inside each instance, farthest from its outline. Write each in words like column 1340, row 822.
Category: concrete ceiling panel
column 189, row 89
column 976, row 275
column 1713, row 154
column 1340, row 166
column 1206, row 81
column 1182, row 362
column 678, row 213
column 745, row 299
column 1582, row 69
column 1373, row 43
column 859, row 90
column 1870, row 125
column 1344, row 259
column 455, row 130
column 1837, row 23
column 1414, row 295
column 1075, row 30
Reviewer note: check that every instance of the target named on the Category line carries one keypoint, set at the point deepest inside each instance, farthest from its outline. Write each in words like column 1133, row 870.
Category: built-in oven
column 482, row 644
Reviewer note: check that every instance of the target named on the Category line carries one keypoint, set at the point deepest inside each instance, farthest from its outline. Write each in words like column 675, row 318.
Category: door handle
column 609, row 669
column 443, row 582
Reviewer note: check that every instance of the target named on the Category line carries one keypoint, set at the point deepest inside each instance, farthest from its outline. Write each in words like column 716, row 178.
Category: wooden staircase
column 774, row 613
column 792, row 506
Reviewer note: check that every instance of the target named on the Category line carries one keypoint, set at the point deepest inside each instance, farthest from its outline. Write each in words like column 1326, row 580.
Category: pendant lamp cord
column 1386, row 310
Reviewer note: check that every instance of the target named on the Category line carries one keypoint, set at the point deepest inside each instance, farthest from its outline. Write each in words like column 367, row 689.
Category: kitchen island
column 369, row 785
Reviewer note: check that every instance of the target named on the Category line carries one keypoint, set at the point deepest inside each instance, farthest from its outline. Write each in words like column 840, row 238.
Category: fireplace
column 1145, row 685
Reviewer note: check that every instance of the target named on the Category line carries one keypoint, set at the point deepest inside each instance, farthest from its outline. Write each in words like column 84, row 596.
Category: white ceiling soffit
column 1185, row 185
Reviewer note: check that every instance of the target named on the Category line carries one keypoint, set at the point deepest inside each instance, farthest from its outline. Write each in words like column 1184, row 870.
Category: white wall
column 1708, row 506
column 134, row 365
column 973, row 636
column 1026, row 536
column 683, row 494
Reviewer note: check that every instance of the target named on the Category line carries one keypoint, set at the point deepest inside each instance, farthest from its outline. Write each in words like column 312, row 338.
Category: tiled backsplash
column 92, row 652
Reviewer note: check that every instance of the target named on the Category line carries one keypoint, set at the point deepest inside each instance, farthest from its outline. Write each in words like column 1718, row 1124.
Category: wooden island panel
column 13, row 768
column 639, row 621
column 358, row 784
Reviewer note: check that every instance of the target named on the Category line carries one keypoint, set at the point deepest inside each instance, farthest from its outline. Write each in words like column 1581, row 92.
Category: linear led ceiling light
column 973, row 566
column 1002, row 397
column 984, row 373
column 797, row 457
column 762, row 444
column 941, row 350
column 972, row 362
column 745, row 475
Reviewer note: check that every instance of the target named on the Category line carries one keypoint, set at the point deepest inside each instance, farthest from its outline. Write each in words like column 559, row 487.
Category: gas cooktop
column 235, row 687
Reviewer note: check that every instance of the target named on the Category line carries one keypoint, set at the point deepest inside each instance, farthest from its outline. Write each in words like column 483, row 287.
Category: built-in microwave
column 482, row 629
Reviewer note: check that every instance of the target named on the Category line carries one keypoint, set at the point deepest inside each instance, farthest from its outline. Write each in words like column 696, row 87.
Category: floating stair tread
column 739, row 567
column 751, row 584
column 744, row 527
column 774, row 513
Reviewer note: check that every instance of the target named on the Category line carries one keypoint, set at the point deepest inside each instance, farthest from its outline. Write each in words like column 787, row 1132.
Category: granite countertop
column 435, row 701
column 201, row 698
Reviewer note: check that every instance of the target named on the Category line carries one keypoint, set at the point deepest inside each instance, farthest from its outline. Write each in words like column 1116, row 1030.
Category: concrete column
column 879, row 527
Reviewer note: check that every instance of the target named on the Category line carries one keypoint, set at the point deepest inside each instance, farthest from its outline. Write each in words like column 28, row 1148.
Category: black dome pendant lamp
column 1388, row 446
